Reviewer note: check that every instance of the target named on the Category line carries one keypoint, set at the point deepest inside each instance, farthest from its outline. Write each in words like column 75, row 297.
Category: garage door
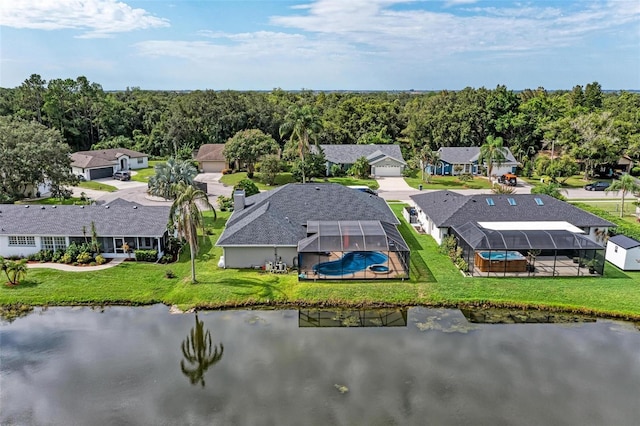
column 100, row 173
column 387, row 171
column 212, row 166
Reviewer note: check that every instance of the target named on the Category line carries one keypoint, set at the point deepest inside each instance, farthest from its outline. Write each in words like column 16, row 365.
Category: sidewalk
column 71, row 268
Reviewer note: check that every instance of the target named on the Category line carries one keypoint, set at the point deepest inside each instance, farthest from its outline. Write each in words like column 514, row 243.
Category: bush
column 167, row 258
column 66, row 258
column 410, row 173
column 225, row 203
column 249, row 187
column 146, row 255
column 57, row 255
column 100, row 260
column 635, row 171
column 336, row 171
column 84, row 257
column 169, row 274
column 44, row 256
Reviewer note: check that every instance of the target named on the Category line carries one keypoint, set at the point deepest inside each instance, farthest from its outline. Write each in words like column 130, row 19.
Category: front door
column 119, row 244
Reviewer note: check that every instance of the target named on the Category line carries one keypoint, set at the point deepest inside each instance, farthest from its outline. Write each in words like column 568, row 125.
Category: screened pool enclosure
column 490, row 252
column 358, row 250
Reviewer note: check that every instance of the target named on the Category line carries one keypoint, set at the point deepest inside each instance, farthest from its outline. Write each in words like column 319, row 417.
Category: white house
column 624, row 252
column 105, row 162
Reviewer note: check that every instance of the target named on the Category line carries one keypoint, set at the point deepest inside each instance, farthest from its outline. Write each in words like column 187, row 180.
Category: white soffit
column 532, row 226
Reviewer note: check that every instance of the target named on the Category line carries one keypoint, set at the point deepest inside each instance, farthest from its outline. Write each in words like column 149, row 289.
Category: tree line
column 585, row 123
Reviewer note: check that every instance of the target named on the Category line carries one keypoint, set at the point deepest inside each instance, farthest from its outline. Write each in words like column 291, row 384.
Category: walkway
column 71, row 268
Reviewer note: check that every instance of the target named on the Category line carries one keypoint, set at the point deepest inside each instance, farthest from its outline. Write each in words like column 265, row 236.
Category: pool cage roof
column 487, row 239
column 351, row 235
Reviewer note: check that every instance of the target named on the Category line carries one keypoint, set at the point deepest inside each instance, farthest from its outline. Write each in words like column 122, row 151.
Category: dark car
column 597, row 186
column 122, row 175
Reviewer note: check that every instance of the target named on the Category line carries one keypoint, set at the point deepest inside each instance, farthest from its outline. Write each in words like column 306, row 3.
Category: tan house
column 211, row 158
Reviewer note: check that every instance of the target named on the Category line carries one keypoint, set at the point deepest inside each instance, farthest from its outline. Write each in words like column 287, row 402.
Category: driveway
column 122, row 184
column 395, row 188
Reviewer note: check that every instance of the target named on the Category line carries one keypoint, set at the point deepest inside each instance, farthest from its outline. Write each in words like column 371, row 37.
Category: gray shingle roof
column 119, row 218
column 279, row 216
column 102, row 157
column 624, row 242
column 470, row 154
column 447, row 209
column 348, row 154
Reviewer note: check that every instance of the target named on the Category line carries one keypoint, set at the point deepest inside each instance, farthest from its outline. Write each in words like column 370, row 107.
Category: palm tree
column 552, row 189
column 169, row 173
column 14, row 270
column 187, row 217
column 626, row 183
column 492, row 152
column 428, row 157
column 301, row 123
column 199, row 351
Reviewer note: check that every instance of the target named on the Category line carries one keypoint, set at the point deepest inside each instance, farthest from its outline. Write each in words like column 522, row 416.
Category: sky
column 323, row 44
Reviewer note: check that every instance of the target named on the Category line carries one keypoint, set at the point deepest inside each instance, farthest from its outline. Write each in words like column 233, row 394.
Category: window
column 538, row 201
column 21, row 240
column 615, row 249
column 140, row 160
column 53, row 243
column 146, row 242
column 491, row 202
column 512, row 202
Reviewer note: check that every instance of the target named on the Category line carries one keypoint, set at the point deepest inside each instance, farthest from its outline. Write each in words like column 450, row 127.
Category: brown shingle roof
column 102, row 157
column 211, row 152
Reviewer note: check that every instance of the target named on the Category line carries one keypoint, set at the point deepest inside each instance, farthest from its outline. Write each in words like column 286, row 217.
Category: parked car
column 122, row 175
column 597, row 186
column 508, row 179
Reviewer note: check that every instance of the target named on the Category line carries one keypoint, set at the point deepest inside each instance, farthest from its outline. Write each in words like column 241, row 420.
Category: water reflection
column 352, row 318
column 199, row 353
column 504, row 316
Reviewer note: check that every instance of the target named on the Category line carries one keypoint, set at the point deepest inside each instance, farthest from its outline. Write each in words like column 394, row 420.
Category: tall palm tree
column 428, row 157
column 301, row 124
column 187, row 217
column 199, row 351
column 492, row 152
column 169, row 173
column 626, row 184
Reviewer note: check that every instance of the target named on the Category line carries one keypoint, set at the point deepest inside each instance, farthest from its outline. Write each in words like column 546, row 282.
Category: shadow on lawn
column 23, row 284
column 251, row 287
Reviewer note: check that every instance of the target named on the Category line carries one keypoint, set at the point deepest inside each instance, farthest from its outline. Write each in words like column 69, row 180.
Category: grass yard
column 448, row 182
column 434, row 282
column 234, row 178
column 54, row 201
column 352, row 181
column 613, row 207
column 575, row 181
column 143, row 175
column 90, row 184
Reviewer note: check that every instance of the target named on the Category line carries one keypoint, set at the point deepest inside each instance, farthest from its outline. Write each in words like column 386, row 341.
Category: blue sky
column 323, row 44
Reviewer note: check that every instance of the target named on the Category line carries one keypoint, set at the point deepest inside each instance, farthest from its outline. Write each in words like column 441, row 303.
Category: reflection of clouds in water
column 123, row 366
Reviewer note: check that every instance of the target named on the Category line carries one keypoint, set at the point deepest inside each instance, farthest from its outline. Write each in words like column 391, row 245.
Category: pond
column 145, row 366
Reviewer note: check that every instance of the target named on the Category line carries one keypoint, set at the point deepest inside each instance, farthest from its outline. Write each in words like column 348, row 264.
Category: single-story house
column 624, row 252
column 28, row 228
column 326, row 231
column 523, row 223
column 211, row 158
column 457, row 160
column 104, row 163
column 385, row 160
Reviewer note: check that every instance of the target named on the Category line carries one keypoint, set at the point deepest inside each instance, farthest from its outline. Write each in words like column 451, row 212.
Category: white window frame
column 22, row 241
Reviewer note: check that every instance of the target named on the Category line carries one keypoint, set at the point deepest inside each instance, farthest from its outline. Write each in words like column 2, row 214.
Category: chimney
column 238, row 199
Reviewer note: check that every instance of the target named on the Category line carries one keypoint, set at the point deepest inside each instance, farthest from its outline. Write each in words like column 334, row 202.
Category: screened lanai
column 491, row 252
column 340, row 250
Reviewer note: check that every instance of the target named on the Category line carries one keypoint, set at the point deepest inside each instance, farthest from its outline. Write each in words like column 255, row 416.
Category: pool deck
column 544, row 267
column 394, row 264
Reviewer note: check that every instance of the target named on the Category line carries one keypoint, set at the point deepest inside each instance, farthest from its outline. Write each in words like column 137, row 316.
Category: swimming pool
column 501, row 255
column 351, row 262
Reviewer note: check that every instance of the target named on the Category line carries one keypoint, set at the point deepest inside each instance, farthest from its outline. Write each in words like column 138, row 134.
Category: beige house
column 211, row 158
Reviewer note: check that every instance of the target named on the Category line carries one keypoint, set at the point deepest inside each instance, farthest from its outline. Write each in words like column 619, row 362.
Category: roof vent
column 82, row 207
column 55, row 207
column 106, row 207
column 317, row 188
column 27, row 206
column 42, row 208
column 135, row 207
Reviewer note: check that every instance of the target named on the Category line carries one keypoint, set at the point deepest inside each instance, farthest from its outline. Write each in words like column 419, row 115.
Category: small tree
column 248, row 186
column 551, row 189
column 170, row 173
column 269, row 169
column 360, row 168
column 247, row 146
column 14, row 270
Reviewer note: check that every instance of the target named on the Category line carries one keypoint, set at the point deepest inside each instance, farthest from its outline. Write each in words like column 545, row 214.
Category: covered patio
column 536, row 253
column 352, row 250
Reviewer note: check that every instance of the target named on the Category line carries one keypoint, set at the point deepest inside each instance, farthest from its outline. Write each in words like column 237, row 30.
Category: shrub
column 100, row 260
column 635, row 171
column 84, row 257
column 57, row 255
column 44, row 256
column 410, row 173
column 249, row 187
column 336, row 171
column 167, row 258
column 92, row 264
column 66, row 258
column 146, row 255
column 225, row 203
column 169, row 274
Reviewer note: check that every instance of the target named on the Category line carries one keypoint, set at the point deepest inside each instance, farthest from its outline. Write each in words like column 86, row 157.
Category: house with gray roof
column 385, row 160
column 520, row 224
column 304, row 225
column 27, row 229
column 104, row 163
column 458, row 160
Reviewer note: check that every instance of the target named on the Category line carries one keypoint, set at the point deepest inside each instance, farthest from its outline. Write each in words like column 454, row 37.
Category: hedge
column 146, row 255
column 624, row 227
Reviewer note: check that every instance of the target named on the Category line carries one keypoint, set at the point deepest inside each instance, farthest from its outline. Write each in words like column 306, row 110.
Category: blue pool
column 501, row 255
column 351, row 262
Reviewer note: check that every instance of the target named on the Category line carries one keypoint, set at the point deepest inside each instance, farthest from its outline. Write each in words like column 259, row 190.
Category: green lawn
column 352, row 181
column 434, row 282
column 54, row 201
column 448, row 182
column 90, row 184
column 284, row 178
column 575, row 181
column 613, row 207
column 143, row 175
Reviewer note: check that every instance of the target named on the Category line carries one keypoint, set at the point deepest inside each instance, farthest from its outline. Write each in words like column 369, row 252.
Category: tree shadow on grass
column 268, row 289
column 23, row 284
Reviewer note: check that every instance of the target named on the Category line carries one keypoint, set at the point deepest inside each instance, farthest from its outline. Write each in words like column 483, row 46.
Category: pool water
column 350, row 263
column 501, row 255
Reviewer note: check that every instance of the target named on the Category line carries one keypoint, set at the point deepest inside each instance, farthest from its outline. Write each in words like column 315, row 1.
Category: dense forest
column 584, row 123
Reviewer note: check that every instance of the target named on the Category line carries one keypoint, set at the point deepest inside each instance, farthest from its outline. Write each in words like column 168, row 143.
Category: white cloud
column 99, row 18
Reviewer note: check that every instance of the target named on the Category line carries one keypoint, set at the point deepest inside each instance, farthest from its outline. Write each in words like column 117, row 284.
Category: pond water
column 144, row 366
